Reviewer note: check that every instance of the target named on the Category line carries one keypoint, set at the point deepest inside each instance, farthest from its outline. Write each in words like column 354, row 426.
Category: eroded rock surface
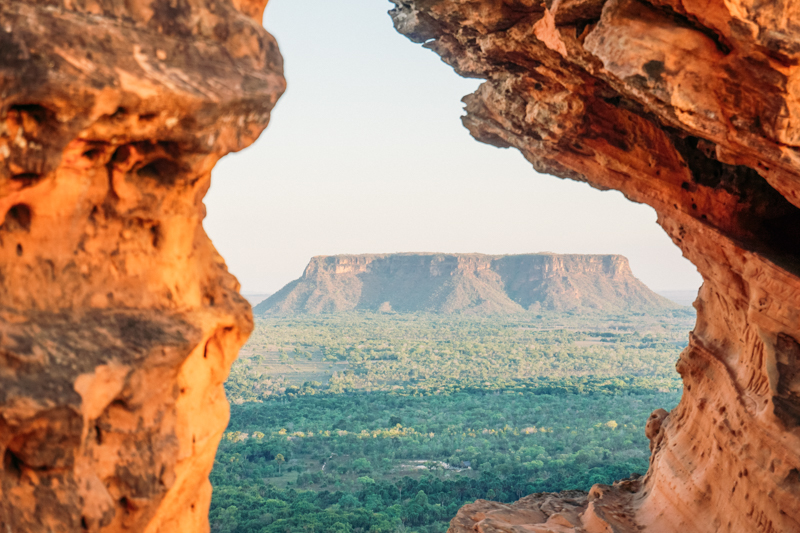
column 691, row 107
column 118, row 319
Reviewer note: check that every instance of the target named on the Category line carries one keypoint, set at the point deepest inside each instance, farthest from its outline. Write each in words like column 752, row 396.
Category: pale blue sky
column 366, row 153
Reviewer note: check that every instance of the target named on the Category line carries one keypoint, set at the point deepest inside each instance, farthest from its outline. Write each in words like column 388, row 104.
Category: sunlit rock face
column 118, row 319
column 690, row 107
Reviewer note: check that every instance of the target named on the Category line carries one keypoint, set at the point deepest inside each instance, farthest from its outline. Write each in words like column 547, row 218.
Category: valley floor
column 368, row 422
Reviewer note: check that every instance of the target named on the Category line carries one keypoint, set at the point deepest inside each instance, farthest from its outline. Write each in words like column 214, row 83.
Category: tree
column 280, row 459
column 362, row 465
column 348, row 501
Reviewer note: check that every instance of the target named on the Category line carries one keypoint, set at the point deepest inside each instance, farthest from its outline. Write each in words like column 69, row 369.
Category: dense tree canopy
column 425, row 414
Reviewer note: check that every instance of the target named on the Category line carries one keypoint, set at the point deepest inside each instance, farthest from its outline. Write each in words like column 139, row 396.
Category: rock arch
column 119, row 320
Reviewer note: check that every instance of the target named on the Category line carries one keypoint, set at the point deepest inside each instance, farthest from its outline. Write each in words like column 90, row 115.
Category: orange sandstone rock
column 692, row 108
column 118, row 319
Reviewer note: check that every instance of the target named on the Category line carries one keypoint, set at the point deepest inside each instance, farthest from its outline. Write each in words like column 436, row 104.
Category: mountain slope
column 464, row 283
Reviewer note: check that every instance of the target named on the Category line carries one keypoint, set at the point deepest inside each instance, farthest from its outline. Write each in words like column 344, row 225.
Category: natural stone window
column 119, row 321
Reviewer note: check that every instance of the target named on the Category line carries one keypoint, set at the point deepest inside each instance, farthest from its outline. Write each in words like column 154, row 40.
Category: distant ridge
column 464, row 283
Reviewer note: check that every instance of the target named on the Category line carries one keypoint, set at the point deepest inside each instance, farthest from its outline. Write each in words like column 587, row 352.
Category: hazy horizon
column 366, row 154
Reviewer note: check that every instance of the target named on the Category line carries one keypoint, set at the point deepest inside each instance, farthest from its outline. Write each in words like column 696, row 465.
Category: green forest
column 371, row 422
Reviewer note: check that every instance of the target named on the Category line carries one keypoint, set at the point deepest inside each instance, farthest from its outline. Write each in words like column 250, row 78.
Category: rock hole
column 222, row 32
column 18, row 218
column 162, row 170
column 12, row 464
column 119, row 112
column 171, row 148
column 84, row 524
column 92, row 154
column 147, row 117
column 792, row 478
column 580, row 27
column 121, row 154
column 98, row 434
column 120, row 404
column 19, row 250
column 654, row 69
column 155, row 235
column 26, row 178
column 37, row 112
column 127, row 504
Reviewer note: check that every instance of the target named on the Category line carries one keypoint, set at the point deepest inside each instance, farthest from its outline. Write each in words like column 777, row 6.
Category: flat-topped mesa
column 448, row 264
column 690, row 107
column 464, row 283
column 118, row 319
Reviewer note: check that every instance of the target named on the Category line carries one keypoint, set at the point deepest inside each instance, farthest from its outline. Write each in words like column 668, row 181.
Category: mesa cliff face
column 118, row 319
column 691, row 107
column 464, row 283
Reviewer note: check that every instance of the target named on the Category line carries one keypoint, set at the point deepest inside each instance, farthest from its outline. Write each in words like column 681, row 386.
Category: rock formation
column 464, row 283
column 118, row 319
column 693, row 108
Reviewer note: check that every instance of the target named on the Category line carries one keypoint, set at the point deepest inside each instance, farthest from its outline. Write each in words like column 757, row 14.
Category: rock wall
column 118, row 319
column 692, row 107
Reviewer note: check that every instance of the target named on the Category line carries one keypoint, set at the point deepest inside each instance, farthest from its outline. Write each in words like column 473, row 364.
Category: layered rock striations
column 118, row 319
column 692, row 108
column 464, row 283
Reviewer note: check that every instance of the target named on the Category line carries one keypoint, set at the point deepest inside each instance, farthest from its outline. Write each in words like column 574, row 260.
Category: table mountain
column 464, row 283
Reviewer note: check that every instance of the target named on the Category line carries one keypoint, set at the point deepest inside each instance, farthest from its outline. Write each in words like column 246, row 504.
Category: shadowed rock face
column 118, row 319
column 691, row 107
